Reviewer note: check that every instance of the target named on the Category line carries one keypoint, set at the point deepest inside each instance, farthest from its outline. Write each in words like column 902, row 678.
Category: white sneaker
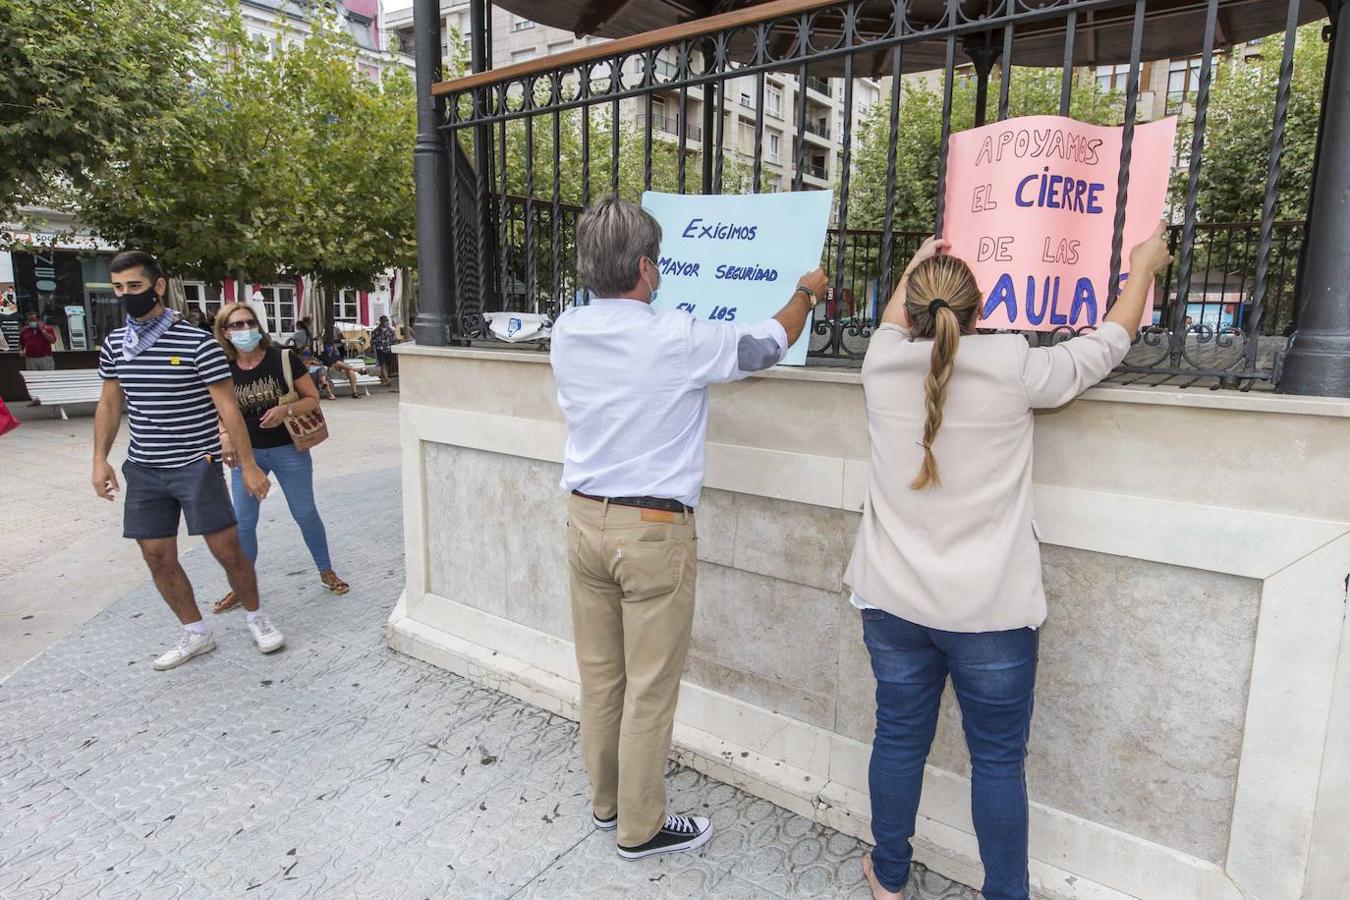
column 190, row 644
column 265, row 636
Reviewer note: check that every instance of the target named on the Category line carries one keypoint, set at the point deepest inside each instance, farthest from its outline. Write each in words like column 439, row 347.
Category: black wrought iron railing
column 1217, row 314
column 1229, row 299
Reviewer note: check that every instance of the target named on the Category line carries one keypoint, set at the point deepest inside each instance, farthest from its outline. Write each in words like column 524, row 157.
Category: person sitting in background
column 331, row 356
column 318, row 371
column 946, row 568
column 303, row 334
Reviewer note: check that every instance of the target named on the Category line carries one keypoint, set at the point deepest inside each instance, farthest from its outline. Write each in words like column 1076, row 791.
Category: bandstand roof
column 1173, row 28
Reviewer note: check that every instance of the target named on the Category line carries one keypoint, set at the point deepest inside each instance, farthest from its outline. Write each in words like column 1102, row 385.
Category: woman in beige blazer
column 946, row 568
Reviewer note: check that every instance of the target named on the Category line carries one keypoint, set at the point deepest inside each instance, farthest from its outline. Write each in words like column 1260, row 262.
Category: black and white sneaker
column 679, row 833
column 607, row 824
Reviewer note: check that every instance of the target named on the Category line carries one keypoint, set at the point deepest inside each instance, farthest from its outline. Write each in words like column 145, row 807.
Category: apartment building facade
column 517, row 40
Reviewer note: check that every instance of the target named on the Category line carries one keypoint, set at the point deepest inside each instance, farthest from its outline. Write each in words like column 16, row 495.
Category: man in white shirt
column 632, row 384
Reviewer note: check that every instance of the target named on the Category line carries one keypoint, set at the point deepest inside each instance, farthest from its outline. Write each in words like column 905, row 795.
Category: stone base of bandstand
column 1194, row 682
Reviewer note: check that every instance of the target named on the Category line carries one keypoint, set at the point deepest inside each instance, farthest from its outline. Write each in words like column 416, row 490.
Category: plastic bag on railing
column 517, row 327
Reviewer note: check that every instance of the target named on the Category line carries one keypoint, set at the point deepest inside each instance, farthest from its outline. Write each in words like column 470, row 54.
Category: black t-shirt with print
column 258, row 390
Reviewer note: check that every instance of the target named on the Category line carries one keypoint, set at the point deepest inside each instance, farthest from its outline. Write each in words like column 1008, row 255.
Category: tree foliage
column 81, row 79
column 1240, row 119
column 282, row 160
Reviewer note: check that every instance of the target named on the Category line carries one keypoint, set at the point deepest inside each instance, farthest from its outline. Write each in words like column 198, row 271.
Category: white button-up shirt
column 632, row 384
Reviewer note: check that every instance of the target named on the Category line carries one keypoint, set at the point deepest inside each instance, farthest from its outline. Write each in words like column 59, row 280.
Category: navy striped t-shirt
column 173, row 421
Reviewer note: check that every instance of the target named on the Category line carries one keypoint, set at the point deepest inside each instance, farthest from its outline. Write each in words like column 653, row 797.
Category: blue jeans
column 994, row 674
column 295, row 472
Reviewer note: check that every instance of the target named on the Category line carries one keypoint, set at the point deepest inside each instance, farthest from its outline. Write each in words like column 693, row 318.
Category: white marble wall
column 1193, row 669
column 1142, row 686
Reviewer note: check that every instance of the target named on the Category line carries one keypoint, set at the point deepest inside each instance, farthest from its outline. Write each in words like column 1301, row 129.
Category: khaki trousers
column 632, row 576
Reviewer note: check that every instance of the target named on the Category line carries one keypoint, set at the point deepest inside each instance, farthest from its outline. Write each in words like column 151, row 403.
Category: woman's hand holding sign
column 1147, row 259
column 895, row 309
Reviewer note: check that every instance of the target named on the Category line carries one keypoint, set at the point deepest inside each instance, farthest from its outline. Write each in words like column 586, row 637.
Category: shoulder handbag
column 307, row 429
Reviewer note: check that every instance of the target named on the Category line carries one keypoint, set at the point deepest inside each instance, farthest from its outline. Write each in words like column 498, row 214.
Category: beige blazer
column 963, row 556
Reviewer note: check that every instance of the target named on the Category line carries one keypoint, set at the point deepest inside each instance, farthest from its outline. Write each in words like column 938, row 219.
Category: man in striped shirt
column 175, row 383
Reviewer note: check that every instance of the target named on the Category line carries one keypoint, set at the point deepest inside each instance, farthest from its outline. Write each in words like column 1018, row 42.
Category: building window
column 519, row 56
column 747, row 134
column 345, row 306
column 194, row 293
column 278, row 308
column 747, row 98
column 775, row 145
column 521, row 24
column 773, row 101
column 1183, row 78
column 1113, row 78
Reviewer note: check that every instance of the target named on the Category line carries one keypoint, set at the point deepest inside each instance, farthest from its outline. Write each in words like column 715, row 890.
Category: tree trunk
column 406, row 302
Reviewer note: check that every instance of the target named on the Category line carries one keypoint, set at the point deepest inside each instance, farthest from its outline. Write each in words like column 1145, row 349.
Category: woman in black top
column 259, row 385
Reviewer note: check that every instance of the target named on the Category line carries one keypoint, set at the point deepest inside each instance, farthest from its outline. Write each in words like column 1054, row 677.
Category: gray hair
column 612, row 235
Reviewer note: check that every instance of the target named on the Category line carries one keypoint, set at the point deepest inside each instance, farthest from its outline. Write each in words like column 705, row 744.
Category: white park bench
column 64, row 387
column 364, row 376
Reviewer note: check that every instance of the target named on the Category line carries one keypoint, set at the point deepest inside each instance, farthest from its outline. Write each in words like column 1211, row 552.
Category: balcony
column 671, row 125
column 816, row 170
column 819, row 85
column 819, row 130
column 664, row 69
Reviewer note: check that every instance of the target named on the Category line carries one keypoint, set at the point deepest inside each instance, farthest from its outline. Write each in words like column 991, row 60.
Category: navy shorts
column 385, row 358
column 155, row 496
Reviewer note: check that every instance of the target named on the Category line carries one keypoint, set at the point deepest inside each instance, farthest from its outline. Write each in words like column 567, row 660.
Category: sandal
column 226, row 603
column 334, row 583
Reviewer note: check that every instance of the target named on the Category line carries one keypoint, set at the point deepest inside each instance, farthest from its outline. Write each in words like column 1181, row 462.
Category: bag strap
column 286, row 370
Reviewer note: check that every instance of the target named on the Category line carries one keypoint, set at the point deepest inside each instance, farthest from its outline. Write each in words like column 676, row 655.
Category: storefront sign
column 1031, row 206
column 733, row 258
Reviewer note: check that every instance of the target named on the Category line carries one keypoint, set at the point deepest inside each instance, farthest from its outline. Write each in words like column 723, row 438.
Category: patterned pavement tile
column 336, row 768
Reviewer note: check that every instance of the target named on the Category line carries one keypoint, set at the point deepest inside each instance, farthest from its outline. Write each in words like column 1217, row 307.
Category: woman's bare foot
column 878, row 892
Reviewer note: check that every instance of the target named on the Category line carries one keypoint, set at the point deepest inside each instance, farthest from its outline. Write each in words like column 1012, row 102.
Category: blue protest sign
column 737, row 258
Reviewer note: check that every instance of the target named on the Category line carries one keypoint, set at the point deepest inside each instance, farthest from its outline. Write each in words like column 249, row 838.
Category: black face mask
column 138, row 305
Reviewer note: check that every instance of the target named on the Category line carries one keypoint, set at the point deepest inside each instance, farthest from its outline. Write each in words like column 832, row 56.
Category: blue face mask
column 246, row 340
column 651, row 288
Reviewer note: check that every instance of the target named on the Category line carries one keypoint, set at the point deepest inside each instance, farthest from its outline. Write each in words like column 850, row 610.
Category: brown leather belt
column 641, row 502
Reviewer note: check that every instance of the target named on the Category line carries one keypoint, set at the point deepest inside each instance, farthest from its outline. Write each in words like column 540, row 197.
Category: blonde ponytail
column 943, row 302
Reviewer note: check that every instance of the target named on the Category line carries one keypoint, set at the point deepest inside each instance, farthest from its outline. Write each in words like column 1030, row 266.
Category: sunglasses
column 241, row 325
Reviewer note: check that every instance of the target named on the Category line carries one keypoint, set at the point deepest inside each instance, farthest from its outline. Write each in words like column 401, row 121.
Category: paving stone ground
column 337, row 768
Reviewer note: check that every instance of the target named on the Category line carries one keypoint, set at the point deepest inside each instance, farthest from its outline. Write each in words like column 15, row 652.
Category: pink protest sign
column 1031, row 204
